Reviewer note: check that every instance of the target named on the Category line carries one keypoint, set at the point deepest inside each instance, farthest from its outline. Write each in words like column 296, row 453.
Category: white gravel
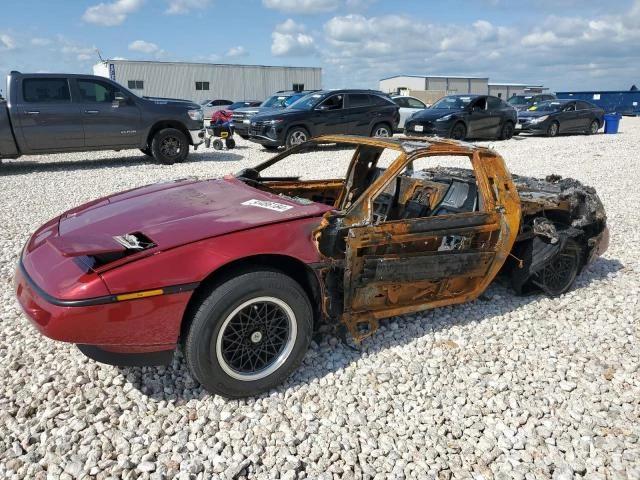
column 504, row 387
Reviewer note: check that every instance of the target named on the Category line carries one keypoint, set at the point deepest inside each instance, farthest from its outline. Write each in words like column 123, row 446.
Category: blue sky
column 564, row 44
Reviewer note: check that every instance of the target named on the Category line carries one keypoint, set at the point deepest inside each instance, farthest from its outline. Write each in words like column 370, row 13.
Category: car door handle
column 91, row 112
column 33, row 112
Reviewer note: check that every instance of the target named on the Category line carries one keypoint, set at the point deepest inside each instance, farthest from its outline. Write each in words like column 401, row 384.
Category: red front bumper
column 132, row 326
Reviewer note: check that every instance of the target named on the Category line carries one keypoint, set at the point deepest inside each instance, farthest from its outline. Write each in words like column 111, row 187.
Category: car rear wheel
column 593, row 128
column 381, row 130
column 458, row 131
column 249, row 334
column 296, row 136
column 170, row 145
column 507, row 131
column 560, row 273
column 553, row 129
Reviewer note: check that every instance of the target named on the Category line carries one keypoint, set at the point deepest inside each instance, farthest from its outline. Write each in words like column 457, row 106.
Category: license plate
column 246, row 120
column 418, row 128
column 518, row 126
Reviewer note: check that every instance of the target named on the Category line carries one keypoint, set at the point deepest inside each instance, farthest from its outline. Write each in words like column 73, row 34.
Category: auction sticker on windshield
column 278, row 207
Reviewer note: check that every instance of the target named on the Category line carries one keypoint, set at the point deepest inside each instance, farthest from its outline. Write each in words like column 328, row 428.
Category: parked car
column 52, row 113
column 408, row 106
column 465, row 116
column 281, row 99
column 561, row 116
column 326, row 112
column 526, row 101
column 211, row 106
column 240, row 270
column 245, row 104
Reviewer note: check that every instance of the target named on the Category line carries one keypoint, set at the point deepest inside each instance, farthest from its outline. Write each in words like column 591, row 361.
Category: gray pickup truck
column 54, row 113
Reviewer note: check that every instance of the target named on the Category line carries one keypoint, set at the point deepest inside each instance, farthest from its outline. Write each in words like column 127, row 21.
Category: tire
column 458, row 131
column 381, row 130
column 296, row 136
column 245, row 137
column 560, row 273
column 508, row 130
column 230, row 143
column 170, row 145
column 221, row 357
column 217, row 144
column 146, row 151
column 553, row 129
column 594, row 126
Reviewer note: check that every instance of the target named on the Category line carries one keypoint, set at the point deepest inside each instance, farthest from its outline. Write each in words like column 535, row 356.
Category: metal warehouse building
column 431, row 88
column 507, row 90
column 202, row 81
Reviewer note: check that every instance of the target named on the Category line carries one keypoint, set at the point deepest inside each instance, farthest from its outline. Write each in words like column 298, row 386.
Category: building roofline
column 435, row 76
column 509, row 84
column 201, row 63
column 569, row 92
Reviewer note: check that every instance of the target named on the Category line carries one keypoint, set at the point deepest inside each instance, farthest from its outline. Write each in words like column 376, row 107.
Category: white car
column 211, row 106
column 408, row 106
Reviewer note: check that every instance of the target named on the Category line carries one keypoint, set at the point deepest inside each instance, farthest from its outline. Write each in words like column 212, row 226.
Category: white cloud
column 40, row 42
column 7, row 42
column 290, row 39
column 111, row 14
column 182, row 7
column 238, row 51
column 143, row 46
column 359, row 49
column 302, row 6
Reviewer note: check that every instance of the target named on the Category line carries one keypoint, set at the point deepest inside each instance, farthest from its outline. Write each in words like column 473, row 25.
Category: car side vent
column 134, row 241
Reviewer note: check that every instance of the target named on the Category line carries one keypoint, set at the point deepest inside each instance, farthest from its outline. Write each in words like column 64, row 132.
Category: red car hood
column 184, row 211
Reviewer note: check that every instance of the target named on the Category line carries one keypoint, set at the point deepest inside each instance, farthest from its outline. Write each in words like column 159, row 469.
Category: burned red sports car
column 240, row 270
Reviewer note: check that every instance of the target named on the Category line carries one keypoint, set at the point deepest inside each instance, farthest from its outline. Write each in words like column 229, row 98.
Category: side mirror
column 119, row 100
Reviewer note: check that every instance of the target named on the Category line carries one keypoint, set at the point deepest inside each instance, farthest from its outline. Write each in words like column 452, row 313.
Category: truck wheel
column 249, row 334
column 146, row 151
column 296, row 136
column 170, row 145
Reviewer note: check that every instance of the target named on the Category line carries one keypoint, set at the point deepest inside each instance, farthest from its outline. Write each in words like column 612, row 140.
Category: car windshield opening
column 452, row 103
column 307, row 102
column 275, row 101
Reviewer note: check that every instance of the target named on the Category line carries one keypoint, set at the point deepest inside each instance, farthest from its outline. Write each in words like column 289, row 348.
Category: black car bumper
column 267, row 134
column 427, row 127
column 524, row 125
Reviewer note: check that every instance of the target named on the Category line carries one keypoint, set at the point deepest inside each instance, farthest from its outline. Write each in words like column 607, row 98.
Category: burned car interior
column 411, row 234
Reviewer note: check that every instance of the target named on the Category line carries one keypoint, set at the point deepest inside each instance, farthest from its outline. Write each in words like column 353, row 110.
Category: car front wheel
column 458, row 132
column 593, row 128
column 296, row 136
column 249, row 334
column 553, row 129
column 507, row 131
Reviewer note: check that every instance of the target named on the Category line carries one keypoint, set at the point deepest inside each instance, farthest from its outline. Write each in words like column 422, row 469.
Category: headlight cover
column 196, row 115
column 445, row 118
column 540, row 119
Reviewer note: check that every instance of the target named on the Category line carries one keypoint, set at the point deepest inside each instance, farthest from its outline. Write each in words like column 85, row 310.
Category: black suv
column 326, row 112
column 279, row 100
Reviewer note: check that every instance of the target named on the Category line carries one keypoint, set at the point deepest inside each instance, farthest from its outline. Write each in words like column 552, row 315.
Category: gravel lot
column 504, row 387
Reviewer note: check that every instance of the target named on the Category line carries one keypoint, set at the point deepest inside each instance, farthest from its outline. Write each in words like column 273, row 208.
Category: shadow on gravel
column 22, row 167
column 329, row 354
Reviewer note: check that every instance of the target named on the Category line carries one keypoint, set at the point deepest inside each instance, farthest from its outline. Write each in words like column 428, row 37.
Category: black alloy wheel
column 459, row 131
